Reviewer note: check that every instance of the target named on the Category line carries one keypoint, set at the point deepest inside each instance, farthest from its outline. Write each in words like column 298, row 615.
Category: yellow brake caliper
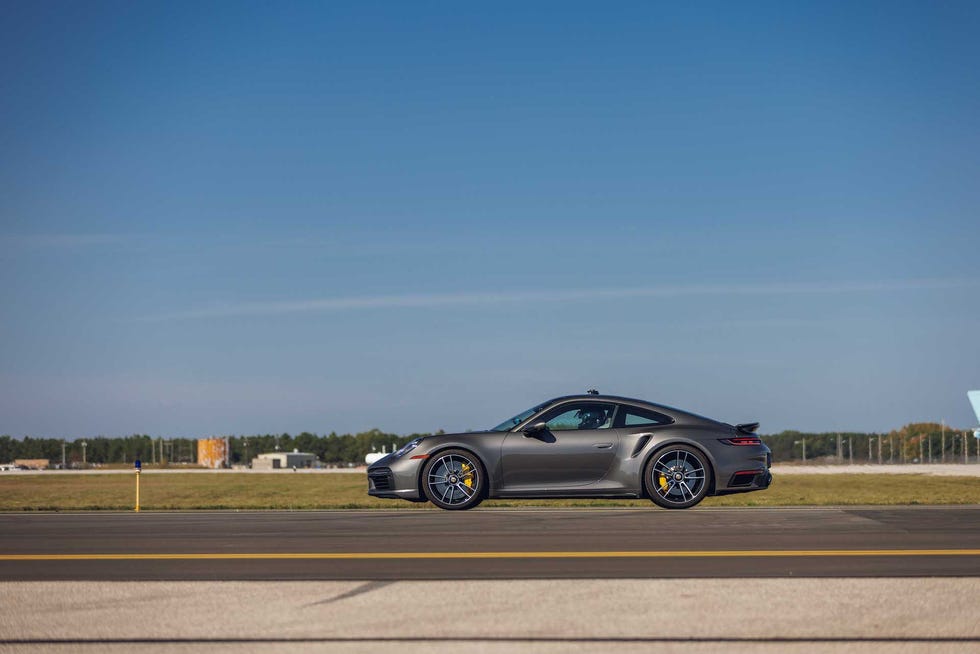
column 467, row 478
column 663, row 482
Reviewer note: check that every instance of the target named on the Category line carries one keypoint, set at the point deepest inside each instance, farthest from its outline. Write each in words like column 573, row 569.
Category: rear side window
column 633, row 417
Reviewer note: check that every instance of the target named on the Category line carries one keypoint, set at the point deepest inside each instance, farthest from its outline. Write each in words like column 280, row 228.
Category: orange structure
column 32, row 464
column 213, row 452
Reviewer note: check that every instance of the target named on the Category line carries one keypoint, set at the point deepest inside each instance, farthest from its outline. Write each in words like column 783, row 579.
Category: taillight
column 742, row 440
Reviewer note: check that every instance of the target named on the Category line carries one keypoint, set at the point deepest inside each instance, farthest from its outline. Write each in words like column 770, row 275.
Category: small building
column 284, row 460
column 214, row 452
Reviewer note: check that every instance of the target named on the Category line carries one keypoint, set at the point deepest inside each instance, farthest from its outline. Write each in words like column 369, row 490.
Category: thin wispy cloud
column 63, row 241
column 433, row 300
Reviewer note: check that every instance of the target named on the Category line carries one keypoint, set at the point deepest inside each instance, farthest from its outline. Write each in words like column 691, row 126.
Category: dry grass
column 171, row 491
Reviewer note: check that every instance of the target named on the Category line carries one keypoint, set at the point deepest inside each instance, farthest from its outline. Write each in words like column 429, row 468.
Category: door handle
column 602, row 446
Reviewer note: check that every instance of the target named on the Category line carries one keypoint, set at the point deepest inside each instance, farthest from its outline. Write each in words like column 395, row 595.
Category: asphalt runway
column 897, row 580
column 493, row 544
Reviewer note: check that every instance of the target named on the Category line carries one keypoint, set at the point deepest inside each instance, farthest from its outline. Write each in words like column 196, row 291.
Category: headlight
column 408, row 447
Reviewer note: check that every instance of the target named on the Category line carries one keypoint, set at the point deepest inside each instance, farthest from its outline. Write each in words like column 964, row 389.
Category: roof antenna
column 593, row 391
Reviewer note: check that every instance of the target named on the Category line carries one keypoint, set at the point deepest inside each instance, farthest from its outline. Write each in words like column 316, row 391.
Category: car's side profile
column 580, row 446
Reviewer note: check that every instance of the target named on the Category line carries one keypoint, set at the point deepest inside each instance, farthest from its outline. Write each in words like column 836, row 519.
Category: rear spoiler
column 747, row 427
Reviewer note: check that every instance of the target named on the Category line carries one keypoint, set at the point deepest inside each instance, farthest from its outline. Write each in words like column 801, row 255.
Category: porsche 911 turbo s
column 578, row 446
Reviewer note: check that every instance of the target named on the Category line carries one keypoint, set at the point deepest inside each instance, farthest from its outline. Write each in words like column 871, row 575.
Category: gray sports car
column 580, row 446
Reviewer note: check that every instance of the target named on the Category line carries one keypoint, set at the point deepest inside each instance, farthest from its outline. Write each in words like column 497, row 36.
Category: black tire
column 677, row 477
column 454, row 480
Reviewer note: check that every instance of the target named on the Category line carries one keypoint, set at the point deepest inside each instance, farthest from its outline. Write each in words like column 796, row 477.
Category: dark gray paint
column 569, row 463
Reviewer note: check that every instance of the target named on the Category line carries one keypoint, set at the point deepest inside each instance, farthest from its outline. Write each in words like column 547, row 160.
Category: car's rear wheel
column 454, row 480
column 676, row 477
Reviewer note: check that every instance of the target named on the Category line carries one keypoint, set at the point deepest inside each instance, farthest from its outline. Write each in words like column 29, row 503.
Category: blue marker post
column 139, row 466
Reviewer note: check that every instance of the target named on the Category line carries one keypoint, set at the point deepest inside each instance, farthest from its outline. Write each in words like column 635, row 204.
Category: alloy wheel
column 453, row 480
column 677, row 478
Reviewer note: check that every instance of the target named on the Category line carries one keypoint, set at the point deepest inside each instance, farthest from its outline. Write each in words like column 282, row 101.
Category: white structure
column 371, row 457
column 285, row 460
column 974, row 397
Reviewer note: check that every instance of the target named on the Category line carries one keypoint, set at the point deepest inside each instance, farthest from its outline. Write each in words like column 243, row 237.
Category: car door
column 576, row 449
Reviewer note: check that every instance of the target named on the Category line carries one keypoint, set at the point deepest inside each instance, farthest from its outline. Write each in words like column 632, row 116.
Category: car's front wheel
column 453, row 480
column 676, row 477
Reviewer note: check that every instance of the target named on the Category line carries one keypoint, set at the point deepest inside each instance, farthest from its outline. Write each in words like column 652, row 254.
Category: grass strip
column 253, row 491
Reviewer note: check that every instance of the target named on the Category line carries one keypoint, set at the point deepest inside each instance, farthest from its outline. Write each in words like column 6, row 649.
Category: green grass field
column 171, row 491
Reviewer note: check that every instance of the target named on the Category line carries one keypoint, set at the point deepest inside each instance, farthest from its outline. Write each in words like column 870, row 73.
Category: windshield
column 510, row 423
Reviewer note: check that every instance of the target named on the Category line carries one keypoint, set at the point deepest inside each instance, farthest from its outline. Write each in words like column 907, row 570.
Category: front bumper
column 397, row 479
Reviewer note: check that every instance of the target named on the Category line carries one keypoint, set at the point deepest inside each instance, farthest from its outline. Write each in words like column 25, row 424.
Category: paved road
column 540, row 581
column 493, row 544
column 687, row 616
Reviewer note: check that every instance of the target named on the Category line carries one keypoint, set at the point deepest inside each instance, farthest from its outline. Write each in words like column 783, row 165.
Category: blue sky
column 221, row 218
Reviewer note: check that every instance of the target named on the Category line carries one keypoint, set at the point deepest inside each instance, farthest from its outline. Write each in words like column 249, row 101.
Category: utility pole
column 943, row 455
column 63, row 464
column 871, row 447
column 850, row 451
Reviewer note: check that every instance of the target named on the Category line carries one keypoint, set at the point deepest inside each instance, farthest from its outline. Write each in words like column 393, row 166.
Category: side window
column 633, row 417
column 581, row 416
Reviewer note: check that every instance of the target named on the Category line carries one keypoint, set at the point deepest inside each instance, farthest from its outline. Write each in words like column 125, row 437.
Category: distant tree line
column 330, row 449
column 910, row 444
column 923, row 442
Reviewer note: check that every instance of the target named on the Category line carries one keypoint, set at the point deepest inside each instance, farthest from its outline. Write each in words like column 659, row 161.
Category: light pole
column 802, row 441
column 871, row 447
column 63, row 464
column 84, row 461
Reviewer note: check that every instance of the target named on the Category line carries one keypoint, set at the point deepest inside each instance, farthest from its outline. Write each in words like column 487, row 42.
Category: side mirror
column 536, row 428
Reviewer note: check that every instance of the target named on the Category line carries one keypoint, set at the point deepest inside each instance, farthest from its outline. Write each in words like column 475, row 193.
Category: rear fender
column 712, row 481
